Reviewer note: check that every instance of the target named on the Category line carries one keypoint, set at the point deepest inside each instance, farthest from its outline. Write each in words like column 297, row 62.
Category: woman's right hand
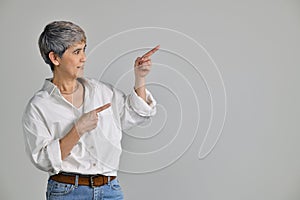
column 88, row 121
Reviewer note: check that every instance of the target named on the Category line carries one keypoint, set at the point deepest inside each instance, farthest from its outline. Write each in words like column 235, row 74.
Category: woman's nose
column 83, row 57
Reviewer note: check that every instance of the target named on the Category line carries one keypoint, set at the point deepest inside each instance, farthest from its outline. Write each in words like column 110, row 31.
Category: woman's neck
column 65, row 85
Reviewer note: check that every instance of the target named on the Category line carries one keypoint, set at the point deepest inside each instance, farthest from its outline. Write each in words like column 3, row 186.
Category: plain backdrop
column 246, row 68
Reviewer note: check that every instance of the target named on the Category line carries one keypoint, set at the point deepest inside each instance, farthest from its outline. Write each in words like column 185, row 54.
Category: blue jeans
column 61, row 191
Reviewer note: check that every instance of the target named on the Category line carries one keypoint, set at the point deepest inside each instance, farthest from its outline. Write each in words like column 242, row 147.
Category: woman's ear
column 54, row 58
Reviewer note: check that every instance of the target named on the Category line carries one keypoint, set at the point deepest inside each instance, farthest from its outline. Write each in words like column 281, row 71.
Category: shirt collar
column 49, row 86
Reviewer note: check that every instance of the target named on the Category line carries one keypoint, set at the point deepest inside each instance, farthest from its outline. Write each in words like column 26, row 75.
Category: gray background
column 256, row 46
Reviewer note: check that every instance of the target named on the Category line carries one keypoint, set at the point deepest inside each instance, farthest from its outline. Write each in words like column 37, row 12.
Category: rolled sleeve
column 145, row 109
column 43, row 150
column 54, row 155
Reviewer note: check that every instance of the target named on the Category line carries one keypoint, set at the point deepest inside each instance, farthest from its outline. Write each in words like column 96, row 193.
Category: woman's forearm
column 68, row 142
column 140, row 88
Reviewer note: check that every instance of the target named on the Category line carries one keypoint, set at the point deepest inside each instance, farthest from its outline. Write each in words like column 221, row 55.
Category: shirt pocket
column 59, row 129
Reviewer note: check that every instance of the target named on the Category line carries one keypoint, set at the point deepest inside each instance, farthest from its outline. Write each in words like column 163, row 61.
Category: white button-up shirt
column 49, row 117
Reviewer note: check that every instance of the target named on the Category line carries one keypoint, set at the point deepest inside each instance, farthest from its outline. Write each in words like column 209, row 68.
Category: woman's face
column 71, row 64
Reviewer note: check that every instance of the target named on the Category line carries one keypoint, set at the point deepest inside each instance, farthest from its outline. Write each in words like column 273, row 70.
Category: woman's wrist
column 139, row 82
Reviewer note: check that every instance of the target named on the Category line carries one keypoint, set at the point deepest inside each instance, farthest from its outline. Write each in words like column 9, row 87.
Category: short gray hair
column 57, row 37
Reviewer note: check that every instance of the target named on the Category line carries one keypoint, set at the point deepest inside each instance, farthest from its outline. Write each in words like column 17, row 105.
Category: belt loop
column 108, row 180
column 76, row 181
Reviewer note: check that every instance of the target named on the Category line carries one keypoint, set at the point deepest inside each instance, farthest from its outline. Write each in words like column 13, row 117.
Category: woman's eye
column 76, row 52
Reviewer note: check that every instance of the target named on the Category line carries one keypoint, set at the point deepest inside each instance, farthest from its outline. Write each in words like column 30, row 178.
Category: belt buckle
column 92, row 181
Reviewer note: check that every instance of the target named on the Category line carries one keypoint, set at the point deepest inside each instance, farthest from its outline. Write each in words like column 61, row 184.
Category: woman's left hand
column 142, row 65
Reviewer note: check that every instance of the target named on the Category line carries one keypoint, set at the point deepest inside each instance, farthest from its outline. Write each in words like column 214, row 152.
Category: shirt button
column 94, row 164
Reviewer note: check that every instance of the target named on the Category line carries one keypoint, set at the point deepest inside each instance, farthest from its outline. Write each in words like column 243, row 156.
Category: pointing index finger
column 101, row 108
column 152, row 51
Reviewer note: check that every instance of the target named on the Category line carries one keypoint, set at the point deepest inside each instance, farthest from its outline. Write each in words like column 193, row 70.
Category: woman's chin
column 80, row 74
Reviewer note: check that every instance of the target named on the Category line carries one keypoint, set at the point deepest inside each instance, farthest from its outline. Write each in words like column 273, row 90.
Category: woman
column 73, row 125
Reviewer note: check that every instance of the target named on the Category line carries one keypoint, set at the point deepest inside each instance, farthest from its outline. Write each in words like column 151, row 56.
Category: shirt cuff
column 54, row 154
column 140, row 106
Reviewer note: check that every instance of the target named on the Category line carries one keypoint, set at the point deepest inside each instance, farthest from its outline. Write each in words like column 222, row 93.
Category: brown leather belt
column 87, row 180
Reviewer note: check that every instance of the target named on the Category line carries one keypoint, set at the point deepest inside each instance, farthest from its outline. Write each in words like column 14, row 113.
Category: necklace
column 68, row 93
